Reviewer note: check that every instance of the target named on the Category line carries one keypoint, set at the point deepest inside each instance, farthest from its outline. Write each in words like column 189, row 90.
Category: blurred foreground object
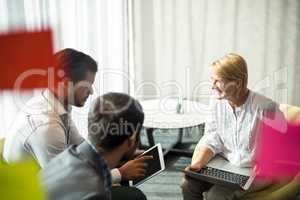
column 279, row 145
column 20, row 181
column 278, row 156
column 26, row 58
column 1, row 150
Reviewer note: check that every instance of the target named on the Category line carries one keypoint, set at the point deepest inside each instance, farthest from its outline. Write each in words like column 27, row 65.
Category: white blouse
column 232, row 132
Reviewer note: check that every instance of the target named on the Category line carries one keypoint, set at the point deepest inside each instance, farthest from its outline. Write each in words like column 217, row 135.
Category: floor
column 166, row 185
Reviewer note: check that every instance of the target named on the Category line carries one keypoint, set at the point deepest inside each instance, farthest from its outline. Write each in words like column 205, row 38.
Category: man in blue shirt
column 83, row 171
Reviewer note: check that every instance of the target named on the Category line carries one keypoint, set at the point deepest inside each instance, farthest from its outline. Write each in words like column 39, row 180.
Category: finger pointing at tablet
column 135, row 168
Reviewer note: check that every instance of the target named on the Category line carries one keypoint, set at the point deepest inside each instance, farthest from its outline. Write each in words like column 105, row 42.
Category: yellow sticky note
column 20, row 181
column 1, row 149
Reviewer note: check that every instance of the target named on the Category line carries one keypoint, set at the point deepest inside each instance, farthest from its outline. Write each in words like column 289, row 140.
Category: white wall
column 176, row 40
column 96, row 27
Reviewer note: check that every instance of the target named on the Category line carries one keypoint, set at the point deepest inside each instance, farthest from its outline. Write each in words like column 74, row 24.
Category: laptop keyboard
column 224, row 175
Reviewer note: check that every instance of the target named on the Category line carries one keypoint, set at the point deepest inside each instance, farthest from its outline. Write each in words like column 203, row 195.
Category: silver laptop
column 222, row 172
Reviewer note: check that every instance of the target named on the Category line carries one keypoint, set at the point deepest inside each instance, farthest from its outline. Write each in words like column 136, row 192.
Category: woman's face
column 224, row 89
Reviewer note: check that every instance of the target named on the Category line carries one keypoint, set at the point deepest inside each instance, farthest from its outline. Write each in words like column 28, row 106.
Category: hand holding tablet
column 154, row 165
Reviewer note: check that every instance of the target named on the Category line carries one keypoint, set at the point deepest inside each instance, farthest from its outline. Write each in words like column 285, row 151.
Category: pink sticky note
column 278, row 151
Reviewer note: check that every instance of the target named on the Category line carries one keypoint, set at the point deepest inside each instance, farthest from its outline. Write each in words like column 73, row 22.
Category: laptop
column 221, row 172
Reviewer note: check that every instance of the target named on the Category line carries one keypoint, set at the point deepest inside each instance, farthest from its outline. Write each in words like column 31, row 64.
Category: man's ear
column 134, row 135
column 66, row 80
column 63, row 83
column 132, row 139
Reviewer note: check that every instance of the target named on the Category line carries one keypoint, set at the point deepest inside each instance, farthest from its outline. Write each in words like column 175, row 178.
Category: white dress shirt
column 43, row 129
column 232, row 132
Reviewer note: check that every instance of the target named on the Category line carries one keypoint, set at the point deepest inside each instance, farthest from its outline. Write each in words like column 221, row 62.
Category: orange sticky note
column 25, row 59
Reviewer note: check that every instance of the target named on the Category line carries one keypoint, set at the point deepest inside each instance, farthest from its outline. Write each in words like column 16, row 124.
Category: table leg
column 180, row 149
column 149, row 132
column 180, row 135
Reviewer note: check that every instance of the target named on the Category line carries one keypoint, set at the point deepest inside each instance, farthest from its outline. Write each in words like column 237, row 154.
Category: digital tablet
column 155, row 165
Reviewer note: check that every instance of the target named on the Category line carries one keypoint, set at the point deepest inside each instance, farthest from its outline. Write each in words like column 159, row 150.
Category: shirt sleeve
column 211, row 138
column 75, row 137
column 273, row 116
column 46, row 142
column 116, row 176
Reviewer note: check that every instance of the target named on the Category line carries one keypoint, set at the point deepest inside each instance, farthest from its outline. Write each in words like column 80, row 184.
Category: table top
column 171, row 113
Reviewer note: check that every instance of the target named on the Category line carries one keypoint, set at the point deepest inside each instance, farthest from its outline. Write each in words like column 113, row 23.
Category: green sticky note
column 20, row 181
column 1, row 149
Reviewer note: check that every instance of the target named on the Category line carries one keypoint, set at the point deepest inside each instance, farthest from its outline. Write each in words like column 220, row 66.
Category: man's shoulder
column 72, row 165
column 65, row 162
column 72, row 157
column 45, row 119
column 38, row 112
column 29, row 122
column 68, row 170
column 38, row 105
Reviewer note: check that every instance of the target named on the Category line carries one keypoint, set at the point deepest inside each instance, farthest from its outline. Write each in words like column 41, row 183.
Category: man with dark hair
column 44, row 128
column 115, row 121
column 75, row 64
column 79, row 70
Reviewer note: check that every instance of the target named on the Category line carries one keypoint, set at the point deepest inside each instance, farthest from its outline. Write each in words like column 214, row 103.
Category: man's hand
column 137, row 153
column 135, row 168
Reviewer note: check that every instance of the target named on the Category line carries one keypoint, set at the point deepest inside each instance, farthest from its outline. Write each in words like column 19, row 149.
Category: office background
column 159, row 48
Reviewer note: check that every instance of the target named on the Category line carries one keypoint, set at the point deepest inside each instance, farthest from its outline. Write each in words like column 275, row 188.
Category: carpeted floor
column 166, row 185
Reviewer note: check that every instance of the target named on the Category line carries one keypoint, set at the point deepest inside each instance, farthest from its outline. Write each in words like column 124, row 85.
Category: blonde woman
column 232, row 128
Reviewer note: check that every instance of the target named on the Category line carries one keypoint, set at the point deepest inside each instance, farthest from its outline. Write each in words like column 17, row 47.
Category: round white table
column 172, row 113
column 162, row 113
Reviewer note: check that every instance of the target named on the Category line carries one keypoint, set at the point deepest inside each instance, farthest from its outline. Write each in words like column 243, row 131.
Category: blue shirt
column 79, row 172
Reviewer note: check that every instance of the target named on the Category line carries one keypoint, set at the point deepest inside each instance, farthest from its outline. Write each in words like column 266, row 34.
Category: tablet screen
column 155, row 165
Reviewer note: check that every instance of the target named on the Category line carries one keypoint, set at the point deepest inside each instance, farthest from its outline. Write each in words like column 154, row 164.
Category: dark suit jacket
column 75, row 174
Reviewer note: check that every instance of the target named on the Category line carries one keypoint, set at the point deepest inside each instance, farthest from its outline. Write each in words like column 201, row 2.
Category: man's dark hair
column 113, row 118
column 75, row 64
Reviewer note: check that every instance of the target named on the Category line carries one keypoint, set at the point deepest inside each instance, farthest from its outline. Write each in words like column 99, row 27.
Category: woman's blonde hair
column 232, row 67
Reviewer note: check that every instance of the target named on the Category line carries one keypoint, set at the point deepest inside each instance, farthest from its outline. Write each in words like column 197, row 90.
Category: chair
column 291, row 190
column 291, row 113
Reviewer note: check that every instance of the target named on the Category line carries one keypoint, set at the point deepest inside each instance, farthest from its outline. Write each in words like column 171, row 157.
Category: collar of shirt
column 55, row 104
column 96, row 157
column 238, row 110
column 116, row 176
